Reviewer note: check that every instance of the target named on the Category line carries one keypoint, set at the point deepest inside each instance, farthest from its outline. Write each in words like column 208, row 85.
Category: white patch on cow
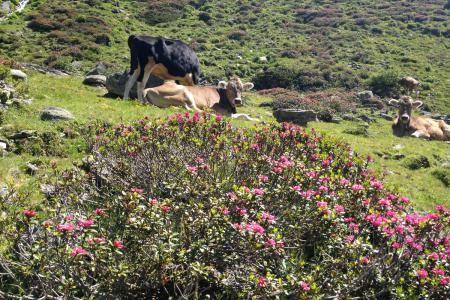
column 222, row 84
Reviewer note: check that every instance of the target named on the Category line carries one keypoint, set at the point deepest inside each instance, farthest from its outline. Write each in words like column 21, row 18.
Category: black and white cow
column 166, row 58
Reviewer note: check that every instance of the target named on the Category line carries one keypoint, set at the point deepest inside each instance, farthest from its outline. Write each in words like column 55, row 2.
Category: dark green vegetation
column 309, row 46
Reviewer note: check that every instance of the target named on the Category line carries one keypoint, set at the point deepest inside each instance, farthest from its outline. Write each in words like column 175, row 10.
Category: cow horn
column 393, row 102
column 417, row 103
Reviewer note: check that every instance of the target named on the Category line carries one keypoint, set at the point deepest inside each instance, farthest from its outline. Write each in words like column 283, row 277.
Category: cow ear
column 247, row 86
column 394, row 102
column 222, row 85
column 417, row 104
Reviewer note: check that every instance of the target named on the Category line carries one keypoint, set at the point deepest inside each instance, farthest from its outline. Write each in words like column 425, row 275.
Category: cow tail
column 133, row 55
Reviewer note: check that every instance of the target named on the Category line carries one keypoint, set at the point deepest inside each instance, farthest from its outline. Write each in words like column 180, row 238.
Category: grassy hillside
column 310, row 45
column 89, row 105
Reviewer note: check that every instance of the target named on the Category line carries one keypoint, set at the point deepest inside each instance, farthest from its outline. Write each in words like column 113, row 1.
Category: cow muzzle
column 238, row 101
column 404, row 118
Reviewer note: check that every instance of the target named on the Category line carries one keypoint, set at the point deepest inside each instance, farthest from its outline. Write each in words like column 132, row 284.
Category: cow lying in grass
column 407, row 124
column 168, row 59
column 222, row 99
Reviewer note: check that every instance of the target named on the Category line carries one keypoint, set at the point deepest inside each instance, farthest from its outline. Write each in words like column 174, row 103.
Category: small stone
column 348, row 117
column 365, row 96
column 398, row 156
column 99, row 69
column 263, row 59
column 398, row 147
column 17, row 74
column 47, row 189
column 336, row 120
column 366, row 118
column 3, row 146
column 386, row 117
column 24, row 134
column 97, row 80
column 53, row 113
column 32, row 169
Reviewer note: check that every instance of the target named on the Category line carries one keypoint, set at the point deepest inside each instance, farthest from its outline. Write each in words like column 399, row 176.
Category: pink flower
column 365, row 260
column 322, row 204
column 304, row 286
column 85, row 223
column 238, row 227
column 422, row 273
column 353, row 226
column 153, row 201
column 225, row 211
column 399, row 229
column 438, row 272
column 404, row 199
column 99, row 211
column 357, row 187
column 349, row 238
column 263, row 178
column 65, row 227
column 270, row 243
column 118, row 244
column 418, row 247
column 268, row 217
column 433, row 256
column 192, row 169
column 136, row 190
column 256, row 228
column 258, row 191
column 99, row 240
column 441, row 208
column 377, row 185
column 262, row 282
column 445, row 281
column 77, row 251
column 165, row 208
column 344, row 181
column 255, row 147
column 296, row 188
column 29, row 213
column 339, row 208
column 219, row 117
column 323, row 189
column 242, row 211
column 47, row 223
column 199, row 160
column 395, row 245
column 326, row 163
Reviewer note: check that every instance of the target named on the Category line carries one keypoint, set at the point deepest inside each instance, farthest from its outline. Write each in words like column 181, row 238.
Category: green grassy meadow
column 88, row 104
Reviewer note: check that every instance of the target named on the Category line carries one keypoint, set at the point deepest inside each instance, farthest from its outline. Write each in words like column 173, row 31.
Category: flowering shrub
column 192, row 207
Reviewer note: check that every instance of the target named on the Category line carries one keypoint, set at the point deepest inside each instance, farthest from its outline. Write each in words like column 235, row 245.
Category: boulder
column 115, row 84
column 97, row 80
column 5, row 8
column 53, row 113
column 24, row 134
column 3, row 146
column 17, row 74
column 297, row 116
column 349, row 117
column 365, row 96
column 366, row 118
column 99, row 69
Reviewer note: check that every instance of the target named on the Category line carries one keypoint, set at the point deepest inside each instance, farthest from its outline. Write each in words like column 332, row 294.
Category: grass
column 88, row 104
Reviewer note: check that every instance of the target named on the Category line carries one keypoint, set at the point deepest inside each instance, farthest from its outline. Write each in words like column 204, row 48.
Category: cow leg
column 147, row 73
column 190, row 101
column 130, row 82
column 421, row 134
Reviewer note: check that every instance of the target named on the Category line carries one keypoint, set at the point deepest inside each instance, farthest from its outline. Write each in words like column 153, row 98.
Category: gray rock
column 3, row 146
column 447, row 119
column 17, row 74
column 5, row 95
column 99, row 69
column 44, row 70
column 97, row 80
column 386, row 117
column 4, row 191
column 115, row 84
column 336, row 120
column 53, row 113
column 263, row 59
column 348, row 117
column 24, row 134
column 47, row 189
column 366, row 118
column 398, row 156
column 5, row 8
column 32, row 169
column 398, row 146
column 365, row 96
column 297, row 116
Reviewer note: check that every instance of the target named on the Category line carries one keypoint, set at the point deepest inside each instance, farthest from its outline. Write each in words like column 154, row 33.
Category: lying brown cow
column 407, row 124
column 222, row 99
column 410, row 84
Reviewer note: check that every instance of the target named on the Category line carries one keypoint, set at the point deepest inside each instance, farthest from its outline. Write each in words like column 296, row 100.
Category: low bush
column 416, row 162
column 443, row 174
column 327, row 103
column 192, row 208
column 385, row 84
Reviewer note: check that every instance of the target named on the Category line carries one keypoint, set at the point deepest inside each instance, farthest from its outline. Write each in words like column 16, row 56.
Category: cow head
column 234, row 88
column 405, row 106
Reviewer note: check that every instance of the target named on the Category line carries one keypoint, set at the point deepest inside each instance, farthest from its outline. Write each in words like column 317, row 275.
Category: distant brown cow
column 407, row 124
column 410, row 84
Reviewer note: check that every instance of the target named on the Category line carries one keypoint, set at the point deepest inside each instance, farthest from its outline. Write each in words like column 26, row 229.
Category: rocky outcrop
column 115, row 84
column 96, row 80
column 297, row 116
column 53, row 113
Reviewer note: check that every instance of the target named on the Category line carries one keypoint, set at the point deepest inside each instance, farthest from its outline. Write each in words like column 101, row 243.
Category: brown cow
column 410, row 84
column 407, row 124
column 222, row 99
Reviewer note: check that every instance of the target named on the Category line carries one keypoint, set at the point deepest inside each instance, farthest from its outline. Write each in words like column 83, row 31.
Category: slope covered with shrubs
column 311, row 45
column 193, row 207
